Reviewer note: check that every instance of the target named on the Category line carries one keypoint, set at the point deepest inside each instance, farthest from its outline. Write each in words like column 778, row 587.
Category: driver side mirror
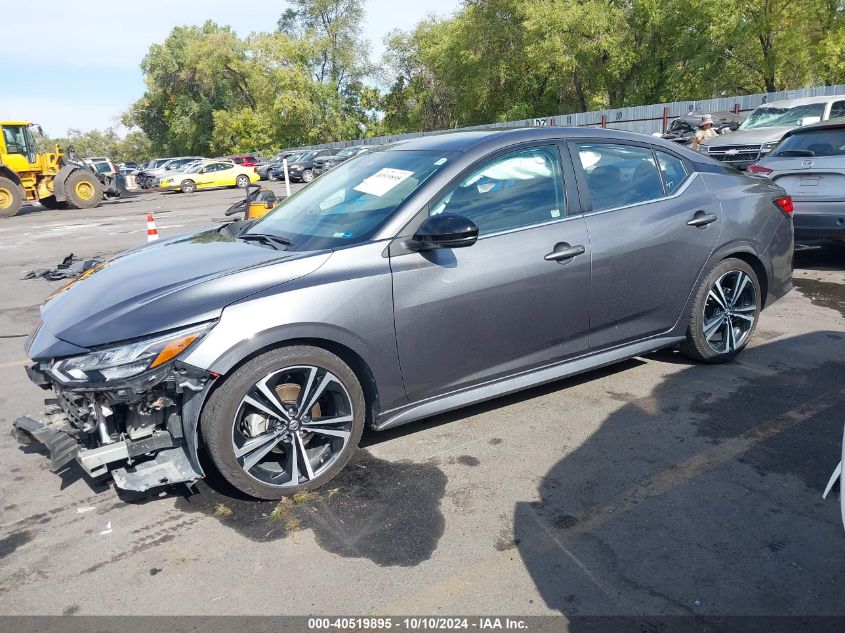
column 446, row 230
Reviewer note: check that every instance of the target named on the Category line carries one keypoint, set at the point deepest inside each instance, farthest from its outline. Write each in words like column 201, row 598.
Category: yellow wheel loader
column 48, row 177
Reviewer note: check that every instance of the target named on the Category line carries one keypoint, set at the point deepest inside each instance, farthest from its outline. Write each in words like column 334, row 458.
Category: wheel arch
column 193, row 408
column 59, row 182
column 744, row 251
column 347, row 354
column 6, row 172
column 759, row 269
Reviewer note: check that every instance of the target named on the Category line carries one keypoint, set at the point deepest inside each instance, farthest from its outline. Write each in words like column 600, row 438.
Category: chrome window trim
column 530, row 226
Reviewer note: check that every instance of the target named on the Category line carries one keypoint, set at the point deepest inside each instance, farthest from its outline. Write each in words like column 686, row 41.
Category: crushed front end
column 127, row 411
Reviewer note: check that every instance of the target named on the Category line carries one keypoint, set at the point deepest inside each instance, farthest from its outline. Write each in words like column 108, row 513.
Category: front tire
column 188, row 186
column 11, row 197
column 287, row 421
column 724, row 313
column 242, row 181
column 307, row 176
column 83, row 190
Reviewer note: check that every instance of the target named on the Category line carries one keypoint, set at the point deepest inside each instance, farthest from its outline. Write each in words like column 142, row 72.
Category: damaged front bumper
column 141, row 433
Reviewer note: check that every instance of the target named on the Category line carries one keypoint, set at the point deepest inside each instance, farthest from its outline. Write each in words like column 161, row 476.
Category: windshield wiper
column 272, row 240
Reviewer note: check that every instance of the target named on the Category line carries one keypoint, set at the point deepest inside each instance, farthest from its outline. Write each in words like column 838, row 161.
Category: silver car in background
column 809, row 163
column 411, row 280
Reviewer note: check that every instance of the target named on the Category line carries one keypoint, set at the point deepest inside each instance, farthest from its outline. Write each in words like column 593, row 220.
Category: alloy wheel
column 292, row 425
column 730, row 312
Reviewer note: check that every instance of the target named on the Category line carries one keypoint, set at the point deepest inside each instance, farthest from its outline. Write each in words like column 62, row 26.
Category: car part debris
column 258, row 201
column 69, row 268
column 839, row 476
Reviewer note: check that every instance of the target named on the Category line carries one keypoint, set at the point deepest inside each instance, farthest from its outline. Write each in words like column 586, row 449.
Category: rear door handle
column 702, row 219
column 564, row 251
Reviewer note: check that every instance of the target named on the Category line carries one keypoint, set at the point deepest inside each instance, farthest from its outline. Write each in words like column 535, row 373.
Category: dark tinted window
column 815, row 143
column 673, row 171
column 515, row 190
column 619, row 175
column 837, row 109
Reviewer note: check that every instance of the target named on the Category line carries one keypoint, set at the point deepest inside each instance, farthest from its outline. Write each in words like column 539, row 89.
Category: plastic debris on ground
column 68, row 268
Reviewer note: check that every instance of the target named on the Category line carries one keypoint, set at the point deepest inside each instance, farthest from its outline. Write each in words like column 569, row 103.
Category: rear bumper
column 779, row 254
column 819, row 220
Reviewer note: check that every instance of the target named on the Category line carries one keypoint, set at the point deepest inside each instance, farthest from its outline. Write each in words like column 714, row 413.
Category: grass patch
column 283, row 513
column 222, row 510
column 304, row 497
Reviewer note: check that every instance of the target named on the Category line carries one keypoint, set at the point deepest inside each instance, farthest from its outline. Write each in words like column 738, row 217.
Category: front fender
column 59, row 182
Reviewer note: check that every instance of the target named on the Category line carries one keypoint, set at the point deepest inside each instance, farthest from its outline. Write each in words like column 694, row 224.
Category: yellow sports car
column 208, row 174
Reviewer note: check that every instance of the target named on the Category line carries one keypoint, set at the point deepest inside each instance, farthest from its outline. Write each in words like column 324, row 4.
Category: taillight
column 785, row 205
column 759, row 169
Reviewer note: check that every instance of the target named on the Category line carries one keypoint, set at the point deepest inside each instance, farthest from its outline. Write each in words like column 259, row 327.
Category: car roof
column 491, row 137
column 791, row 103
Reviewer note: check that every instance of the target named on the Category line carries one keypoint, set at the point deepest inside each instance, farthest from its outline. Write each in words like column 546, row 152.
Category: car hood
column 749, row 137
column 163, row 286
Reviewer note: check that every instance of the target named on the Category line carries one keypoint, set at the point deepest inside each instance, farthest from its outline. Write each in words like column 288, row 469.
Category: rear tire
column 83, row 190
column 724, row 313
column 229, row 418
column 11, row 197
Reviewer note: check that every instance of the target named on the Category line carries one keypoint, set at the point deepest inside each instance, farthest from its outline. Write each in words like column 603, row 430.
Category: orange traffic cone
column 152, row 231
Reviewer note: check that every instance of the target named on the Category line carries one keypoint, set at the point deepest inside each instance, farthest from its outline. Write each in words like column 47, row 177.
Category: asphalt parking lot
column 657, row 486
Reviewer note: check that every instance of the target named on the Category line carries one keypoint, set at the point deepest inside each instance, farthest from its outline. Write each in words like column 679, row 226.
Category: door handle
column 564, row 251
column 702, row 219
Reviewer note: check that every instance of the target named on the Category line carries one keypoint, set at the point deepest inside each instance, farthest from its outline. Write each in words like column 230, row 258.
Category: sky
column 75, row 63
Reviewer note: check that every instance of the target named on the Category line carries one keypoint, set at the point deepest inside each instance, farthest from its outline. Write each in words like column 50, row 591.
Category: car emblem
column 732, row 152
column 807, row 163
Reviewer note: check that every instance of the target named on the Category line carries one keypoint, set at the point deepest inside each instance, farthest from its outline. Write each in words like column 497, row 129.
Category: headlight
column 768, row 147
column 296, row 166
column 131, row 359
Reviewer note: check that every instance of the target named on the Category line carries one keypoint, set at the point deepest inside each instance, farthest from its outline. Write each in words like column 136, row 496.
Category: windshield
column 349, row 151
column 767, row 116
column 348, row 204
column 304, row 156
column 193, row 168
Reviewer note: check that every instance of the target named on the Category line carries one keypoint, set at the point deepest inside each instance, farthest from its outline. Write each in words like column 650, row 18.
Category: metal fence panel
column 645, row 119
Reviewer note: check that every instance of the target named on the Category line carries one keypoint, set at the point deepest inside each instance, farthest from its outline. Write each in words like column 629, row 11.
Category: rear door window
column 673, row 171
column 619, row 175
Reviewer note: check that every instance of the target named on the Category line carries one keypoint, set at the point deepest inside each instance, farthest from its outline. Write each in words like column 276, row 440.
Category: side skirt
column 511, row 384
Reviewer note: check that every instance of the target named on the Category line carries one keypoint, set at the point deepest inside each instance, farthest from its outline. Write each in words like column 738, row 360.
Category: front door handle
column 702, row 219
column 564, row 251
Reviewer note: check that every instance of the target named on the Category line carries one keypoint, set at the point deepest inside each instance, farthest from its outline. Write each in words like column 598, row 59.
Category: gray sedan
column 809, row 163
column 415, row 279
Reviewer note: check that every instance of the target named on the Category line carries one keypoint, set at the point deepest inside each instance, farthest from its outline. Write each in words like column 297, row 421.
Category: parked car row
column 766, row 126
column 150, row 175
